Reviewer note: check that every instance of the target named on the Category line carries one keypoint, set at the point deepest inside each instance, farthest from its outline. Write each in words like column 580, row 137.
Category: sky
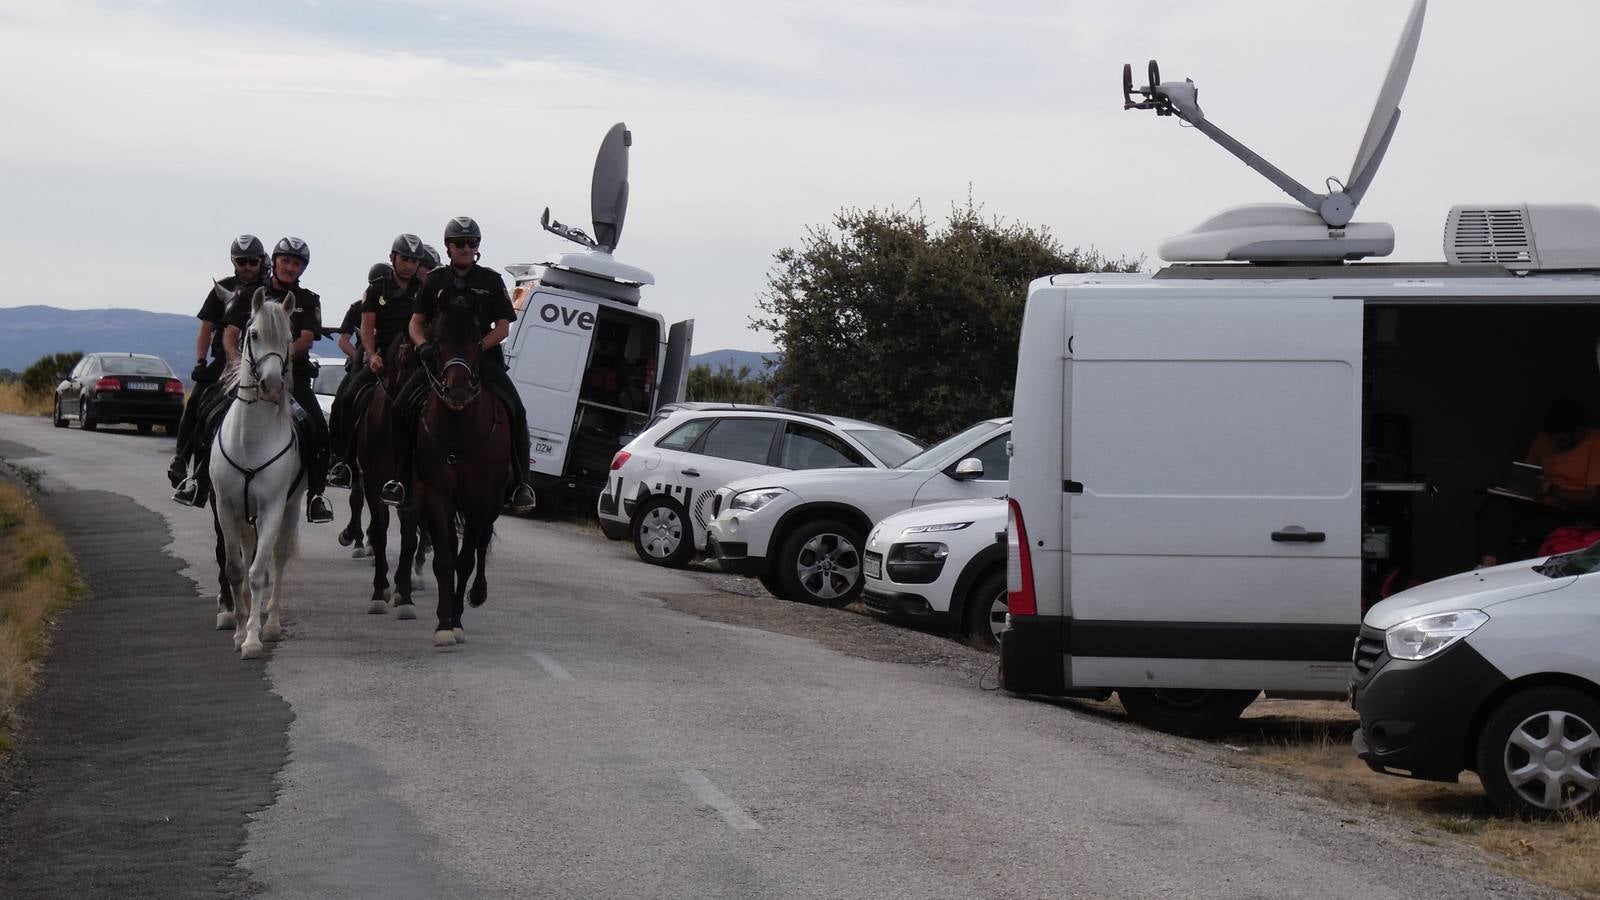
column 140, row 137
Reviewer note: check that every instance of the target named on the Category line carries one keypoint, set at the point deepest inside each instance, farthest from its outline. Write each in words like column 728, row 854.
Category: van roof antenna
column 608, row 195
column 1336, row 207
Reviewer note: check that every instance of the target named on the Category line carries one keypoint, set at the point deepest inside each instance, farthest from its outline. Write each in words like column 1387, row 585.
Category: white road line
column 550, row 666
column 710, row 796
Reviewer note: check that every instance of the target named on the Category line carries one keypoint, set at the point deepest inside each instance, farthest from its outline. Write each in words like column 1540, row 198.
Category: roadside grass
column 14, row 402
column 37, row 581
column 1309, row 741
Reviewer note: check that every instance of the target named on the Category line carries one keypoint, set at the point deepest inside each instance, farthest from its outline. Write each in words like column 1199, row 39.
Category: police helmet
column 431, row 260
column 246, row 246
column 379, row 270
column 293, row 246
column 462, row 227
column 408, row 245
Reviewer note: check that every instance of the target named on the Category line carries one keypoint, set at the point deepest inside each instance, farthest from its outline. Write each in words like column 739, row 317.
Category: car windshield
column 932, row 456
column 890, row 447
column 133, row 365
column 328, row 379
column 1578, row 562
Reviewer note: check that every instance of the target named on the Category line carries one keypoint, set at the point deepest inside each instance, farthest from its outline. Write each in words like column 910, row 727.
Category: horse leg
column 357, row 497
column 234, row 567
column 480, row 583
column 465, row 555
column 225, row 619
column 282, row 549
column 378, row 540
column 443, row 529
column 268, row 524
column 424, row 544
column 404, row 608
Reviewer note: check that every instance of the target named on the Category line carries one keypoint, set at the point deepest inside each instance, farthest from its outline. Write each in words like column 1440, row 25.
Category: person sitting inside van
column 1569, row 451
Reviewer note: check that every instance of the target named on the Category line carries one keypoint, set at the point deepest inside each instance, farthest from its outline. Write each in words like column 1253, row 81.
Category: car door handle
column 1294, row 534
column 691, row 473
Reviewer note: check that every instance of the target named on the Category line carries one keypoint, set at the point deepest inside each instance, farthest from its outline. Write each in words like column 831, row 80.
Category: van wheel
column 56, row 416
column 1188, row 712
column 821, row 563
column 662, row 535
column 1539, row 753
column 985, row 611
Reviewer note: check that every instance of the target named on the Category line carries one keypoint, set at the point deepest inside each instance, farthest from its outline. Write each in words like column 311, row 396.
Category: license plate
column 874, row 565
column 143, row 386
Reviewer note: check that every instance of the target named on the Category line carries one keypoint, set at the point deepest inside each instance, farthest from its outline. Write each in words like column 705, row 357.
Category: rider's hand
column 428, row 353
column 199, row 370
column 375, row 363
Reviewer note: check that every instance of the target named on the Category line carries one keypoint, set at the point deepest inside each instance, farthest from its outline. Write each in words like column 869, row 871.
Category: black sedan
column 111, row 388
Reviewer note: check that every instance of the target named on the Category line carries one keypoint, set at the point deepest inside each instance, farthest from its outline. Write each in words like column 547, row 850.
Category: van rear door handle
column 691, row 473
column 1294, row 534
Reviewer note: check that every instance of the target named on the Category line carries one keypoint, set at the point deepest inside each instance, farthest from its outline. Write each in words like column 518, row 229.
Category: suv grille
column 1369, row 646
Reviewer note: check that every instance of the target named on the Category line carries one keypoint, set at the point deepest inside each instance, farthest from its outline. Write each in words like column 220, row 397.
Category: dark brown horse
column 374, row 445
column 463, row 466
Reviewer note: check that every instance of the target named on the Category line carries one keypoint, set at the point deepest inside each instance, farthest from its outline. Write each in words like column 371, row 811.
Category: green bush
column 40, row 379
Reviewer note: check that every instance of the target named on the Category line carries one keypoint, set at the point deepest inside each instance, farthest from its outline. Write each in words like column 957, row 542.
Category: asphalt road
column 592, row 740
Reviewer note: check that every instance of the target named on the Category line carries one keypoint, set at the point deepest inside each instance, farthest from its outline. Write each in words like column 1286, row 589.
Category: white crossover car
column 802, row 533
column 943, row 562
column 661, row 483
column 330, row 374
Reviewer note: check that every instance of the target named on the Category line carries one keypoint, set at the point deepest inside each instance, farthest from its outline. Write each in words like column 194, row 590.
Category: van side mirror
column 968, row 469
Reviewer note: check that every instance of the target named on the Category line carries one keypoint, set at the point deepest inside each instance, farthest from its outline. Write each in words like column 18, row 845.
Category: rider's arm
column 345, row 345
column 302, row 344
column 418, row 329
column 202, row 340
column 230, row 342
column 369, row 333
column 498, row 333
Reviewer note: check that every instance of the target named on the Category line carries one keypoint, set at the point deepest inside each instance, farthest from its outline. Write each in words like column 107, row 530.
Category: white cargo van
column 590, row 365
column 1216, row 466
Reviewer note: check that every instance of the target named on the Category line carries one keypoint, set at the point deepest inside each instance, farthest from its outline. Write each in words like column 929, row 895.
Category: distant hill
column 29, row 332
column 716, row 359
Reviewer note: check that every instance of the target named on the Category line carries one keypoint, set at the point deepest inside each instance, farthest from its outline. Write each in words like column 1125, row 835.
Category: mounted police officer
column 290, row 257
column 464, row 282
column 249, row 265
column 385, row 311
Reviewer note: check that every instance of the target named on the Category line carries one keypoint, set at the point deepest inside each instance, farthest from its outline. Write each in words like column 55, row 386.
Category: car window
column 132, row 365
column 746, row 440
column 684, row 435
column 890, row 447
column 80, row 368
column 805, row 447
column 930, row 458
column 996, row 464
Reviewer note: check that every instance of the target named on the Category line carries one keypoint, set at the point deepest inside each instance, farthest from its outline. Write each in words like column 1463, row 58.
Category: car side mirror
column 968, row 469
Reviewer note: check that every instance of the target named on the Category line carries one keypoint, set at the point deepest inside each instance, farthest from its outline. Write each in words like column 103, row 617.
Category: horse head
column 458, row 336
column 268, row 341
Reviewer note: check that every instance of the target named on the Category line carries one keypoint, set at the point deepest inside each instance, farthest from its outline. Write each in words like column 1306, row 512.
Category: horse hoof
column 251, row 650
column 461, row 636
column 377, row 607
column 443, row 639
column 345, row 539
column 406, row 611
column 358, row 553
column 272, row 633
column 225, row 621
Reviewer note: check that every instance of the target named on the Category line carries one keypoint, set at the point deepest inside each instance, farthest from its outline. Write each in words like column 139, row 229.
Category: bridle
column 441, row 386
column 255, row 368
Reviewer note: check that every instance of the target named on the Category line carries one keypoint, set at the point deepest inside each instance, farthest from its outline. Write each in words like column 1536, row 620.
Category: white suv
column 661, row 483
column 944, row 562
column 802, row 534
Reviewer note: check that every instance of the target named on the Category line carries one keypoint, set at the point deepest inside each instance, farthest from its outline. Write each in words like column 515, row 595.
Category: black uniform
column 351, row 325
column 484, row 291
column 206, row 373
column 392, row 305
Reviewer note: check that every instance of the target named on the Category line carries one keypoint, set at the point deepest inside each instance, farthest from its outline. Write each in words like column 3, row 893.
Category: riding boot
column 196, row 490
column 522, row 499
column 339, row 475
column 178, row 470
column 317, row 509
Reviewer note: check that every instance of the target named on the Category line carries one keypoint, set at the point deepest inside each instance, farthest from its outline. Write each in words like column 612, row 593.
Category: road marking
column 710, row 796
column 550, row 666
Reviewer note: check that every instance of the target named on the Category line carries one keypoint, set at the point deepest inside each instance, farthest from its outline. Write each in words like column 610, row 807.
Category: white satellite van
column 590, row 365
column 1217, row 466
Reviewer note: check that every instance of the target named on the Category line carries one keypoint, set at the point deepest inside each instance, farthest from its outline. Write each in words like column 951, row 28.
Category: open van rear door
column 550, row 349
column 1214, row 494
column 675, row 368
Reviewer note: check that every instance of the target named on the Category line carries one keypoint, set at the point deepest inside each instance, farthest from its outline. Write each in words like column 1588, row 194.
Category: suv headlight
column 750, row 501
column 943, row 526
column 1425, row 636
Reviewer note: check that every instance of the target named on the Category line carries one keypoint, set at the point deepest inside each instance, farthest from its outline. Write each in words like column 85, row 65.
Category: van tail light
column 174, row 386
column 108, row 384
column 1020, row 598
column 620, row 459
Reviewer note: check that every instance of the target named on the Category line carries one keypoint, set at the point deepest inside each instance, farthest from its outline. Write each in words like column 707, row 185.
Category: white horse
column 256, row 478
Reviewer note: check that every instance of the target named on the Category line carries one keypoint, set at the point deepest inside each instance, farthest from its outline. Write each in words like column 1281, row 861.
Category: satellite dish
column 608, row 195
column 1336, row 207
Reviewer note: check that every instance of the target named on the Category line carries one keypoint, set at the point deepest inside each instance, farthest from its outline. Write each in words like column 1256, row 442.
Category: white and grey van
column 590, row 364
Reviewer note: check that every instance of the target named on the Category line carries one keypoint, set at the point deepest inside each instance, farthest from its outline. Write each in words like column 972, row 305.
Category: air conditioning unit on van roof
column 1524, row 236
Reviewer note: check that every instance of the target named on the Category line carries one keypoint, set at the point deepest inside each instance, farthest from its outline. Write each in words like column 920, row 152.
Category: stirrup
column 392, row 493
column 522, row 499
column 339, row 476
column 189, row 494
column 317, row 510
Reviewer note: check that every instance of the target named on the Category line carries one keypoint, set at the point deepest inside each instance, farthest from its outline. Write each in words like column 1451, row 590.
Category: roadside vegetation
column 32, row 391
column 37, row 582
column 17, row 402
column 726, row 384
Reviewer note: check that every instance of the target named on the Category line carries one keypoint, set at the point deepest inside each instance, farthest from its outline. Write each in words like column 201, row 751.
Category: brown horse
column 463, row 466
column 374, row 445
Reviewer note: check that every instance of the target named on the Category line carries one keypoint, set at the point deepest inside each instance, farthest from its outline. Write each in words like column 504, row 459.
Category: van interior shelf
column 1395, row 487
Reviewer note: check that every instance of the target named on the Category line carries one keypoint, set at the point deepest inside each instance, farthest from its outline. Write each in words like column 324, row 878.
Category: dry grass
column 14, row 402
column 1310, row 742
column 37, row 581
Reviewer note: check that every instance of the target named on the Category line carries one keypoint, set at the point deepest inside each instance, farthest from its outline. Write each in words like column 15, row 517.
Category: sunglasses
column 467, row 245
column 247, row 260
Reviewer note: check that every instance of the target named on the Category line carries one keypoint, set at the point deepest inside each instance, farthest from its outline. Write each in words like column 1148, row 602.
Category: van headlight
column 750, row 501
column 1425, row 636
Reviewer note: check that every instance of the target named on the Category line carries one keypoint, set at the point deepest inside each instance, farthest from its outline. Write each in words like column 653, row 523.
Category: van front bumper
column 1416, row 715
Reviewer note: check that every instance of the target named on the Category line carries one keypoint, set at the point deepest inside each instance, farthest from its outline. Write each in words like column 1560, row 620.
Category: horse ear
column 255, row 300
column 288, row 303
